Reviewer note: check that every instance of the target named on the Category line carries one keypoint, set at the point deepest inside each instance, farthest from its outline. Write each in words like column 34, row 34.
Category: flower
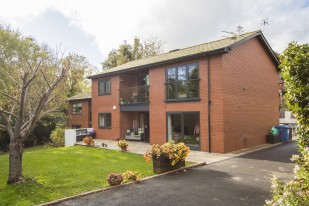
column 88, row 140
column 130, row 176
column 114, row 179
column 122, row 144
column 175, row 152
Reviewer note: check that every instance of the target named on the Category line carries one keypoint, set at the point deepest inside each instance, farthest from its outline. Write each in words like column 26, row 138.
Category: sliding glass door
column 184, row 127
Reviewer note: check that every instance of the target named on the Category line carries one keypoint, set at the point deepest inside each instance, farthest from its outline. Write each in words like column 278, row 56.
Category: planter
column 123, row 149
column 163, row 164
column 272, row 139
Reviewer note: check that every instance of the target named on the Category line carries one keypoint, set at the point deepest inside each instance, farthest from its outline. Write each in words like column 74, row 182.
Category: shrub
column 114, row 179
column 130, row 176
column 122, row 144
column 175, row 152
column 88, row 140
column 57, row 137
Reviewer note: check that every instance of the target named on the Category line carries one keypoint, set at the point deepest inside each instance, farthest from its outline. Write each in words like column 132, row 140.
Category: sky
column 92, row 28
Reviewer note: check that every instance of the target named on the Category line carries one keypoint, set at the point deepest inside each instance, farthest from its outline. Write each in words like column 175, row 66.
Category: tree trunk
column 15, row 162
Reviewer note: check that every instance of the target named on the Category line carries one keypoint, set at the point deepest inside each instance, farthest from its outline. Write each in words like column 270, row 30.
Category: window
column 184, row 127
column 104, row 87
column 105, row 120
column 77, row 108
column 182, row 82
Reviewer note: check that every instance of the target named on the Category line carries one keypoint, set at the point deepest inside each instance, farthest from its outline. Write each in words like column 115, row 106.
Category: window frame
column 104, row 81
column 104, row 117
column 176, row 83
column 81, row 108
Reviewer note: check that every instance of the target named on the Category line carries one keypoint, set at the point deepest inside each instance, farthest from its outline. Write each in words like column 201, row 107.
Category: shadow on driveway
column 279, row 153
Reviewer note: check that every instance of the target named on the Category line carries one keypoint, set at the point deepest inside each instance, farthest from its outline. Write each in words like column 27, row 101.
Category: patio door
column 184, row 127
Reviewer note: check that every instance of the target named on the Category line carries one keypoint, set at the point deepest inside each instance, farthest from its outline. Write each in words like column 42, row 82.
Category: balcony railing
column 134, row 95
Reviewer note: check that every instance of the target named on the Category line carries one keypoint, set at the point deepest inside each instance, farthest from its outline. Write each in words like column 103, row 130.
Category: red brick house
column 79, row 111
column 219, row 96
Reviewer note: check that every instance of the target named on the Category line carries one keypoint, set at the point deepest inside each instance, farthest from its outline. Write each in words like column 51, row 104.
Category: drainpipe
column 209, row 102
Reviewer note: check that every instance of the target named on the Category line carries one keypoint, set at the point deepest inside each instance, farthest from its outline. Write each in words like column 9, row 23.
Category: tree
column 127, row 52
column 80, row 68
column 295, row 68
column 31, row 80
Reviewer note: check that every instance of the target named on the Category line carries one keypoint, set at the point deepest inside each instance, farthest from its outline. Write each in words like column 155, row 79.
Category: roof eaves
column 207, row 53
column 78, row 98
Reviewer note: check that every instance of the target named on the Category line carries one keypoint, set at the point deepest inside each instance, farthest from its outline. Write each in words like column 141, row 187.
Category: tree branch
column 6, row 74
column 9, row 96
column 45, row 78
column 6, row 123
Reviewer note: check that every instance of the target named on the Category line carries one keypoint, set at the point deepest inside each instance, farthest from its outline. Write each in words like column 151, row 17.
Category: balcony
column 134, row 98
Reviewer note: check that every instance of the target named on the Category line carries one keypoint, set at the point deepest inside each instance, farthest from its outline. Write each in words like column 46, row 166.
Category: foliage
column 114, row 179
column 295, row 69
column 175, row 152
column 122, row 144
column 88, row 140
column 57, row 137
column 129, row 176
column 80, row 69
column 295, row 192
column 138, row 50
column 65, row 171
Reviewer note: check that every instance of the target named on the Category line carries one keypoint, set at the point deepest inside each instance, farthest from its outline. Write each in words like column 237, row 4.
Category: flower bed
column 168, row 156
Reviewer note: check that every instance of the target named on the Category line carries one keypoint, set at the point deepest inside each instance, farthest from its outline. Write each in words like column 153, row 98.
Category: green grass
column 66, row 171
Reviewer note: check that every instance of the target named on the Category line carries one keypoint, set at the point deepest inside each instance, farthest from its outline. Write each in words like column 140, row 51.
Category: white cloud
column 180, row 23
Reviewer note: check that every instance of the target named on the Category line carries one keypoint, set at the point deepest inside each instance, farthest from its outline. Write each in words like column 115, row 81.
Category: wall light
column 114, row 107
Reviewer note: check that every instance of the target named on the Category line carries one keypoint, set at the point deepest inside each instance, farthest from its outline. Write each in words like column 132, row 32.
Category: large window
column 184, row 127
column 77, row 108
column 182, row 82
column 104, row 86
column 105, row 120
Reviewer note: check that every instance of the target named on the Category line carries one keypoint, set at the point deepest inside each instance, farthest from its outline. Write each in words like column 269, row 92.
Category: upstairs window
column 77, row 108
column 104, row 87
column 182, row 82
column 105, row 120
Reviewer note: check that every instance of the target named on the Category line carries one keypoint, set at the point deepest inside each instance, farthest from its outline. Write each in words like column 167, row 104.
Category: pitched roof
column 219, row 46
column 84, row 95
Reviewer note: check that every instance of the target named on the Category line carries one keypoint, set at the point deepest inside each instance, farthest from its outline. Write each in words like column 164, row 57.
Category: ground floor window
column 105, row 120
column 184, row 127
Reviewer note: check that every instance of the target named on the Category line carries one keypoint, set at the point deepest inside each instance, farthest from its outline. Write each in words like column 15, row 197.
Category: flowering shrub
column 114, row 179
column 175, row 152
column 88, row 140
column 130, row 176
column 296, row 191
column 122, row 144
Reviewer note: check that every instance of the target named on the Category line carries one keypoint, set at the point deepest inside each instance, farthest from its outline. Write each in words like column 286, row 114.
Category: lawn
column 65, row 171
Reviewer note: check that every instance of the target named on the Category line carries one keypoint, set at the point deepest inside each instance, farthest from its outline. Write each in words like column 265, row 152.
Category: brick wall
column 79, row 119
column 158, row 107
column 250, row 96
column 104, row 104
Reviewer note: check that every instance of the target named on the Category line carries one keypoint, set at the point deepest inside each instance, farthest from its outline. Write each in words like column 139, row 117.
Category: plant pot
column 163, row 164
column 123, row 149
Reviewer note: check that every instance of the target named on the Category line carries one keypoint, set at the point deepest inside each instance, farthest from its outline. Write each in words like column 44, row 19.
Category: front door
column 184, row 127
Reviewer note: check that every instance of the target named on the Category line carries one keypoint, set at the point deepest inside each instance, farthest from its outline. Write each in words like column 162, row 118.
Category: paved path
column 243, row 180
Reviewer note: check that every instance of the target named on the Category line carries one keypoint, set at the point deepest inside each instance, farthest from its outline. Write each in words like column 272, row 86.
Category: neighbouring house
column 79, row 111
column 219, row 96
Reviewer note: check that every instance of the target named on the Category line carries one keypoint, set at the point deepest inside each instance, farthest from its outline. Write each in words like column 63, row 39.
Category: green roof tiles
column 181, row 53
column 84, row 95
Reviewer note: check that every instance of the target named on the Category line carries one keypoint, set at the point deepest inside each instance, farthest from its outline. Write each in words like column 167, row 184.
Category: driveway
column 243, row 180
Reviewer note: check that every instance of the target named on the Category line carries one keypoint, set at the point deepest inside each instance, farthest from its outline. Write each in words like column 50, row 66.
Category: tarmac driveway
column 244, row 180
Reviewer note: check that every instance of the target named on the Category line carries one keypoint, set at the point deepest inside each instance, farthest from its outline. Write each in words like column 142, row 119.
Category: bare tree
column 31, row 79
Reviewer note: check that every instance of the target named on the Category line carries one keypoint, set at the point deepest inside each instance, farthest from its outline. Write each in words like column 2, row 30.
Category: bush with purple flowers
column 114, row 179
